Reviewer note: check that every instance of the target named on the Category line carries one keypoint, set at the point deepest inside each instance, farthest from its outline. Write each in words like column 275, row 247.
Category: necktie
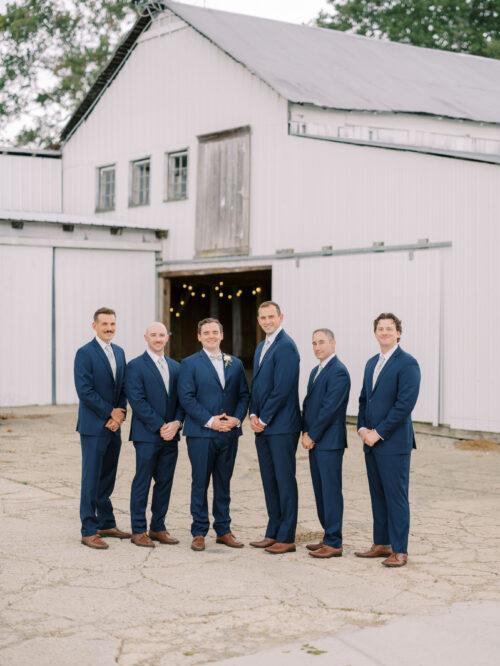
column 320, row 368
column 378, row 368
column 111, row 359
column 162, row 366
column 266, row 346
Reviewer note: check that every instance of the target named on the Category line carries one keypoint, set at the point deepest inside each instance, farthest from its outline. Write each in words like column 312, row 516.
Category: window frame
column 133, row 165
column 169, row 155
column 99, row 200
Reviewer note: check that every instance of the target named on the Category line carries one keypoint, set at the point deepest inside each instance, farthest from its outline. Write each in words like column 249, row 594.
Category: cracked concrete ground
column 62, row 603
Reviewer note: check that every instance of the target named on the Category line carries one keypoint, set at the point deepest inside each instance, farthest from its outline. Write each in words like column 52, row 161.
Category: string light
column 177, row 314
column 184, row 286
column 253, row 292
column 182, row 302
column 171, row 309
column 203, row 295
column 190, row 287
column 221, row 295
column 221, row 283
column 193, row 293
column 229, row 296
column 217, row 288
column 258, row 290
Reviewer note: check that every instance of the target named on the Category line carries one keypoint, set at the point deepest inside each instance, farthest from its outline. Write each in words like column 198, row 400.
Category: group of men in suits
column 207, row 396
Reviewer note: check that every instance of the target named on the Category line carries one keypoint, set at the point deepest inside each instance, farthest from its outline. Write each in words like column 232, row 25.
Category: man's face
column 386, row 334
column 269, row 319
column 210, row 337
column 156, row 338
column 105, row 327
column 323, row 346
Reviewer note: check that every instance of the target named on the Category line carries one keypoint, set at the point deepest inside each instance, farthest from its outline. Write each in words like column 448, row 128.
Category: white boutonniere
column 227, row 360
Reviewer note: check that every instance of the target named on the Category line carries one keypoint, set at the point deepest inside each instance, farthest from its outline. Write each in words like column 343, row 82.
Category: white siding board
column 30, row 183
column 87, row 280
column 25, row 336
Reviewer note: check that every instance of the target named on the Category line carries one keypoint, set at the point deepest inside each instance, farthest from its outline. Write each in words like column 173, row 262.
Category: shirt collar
column 327, row 360
column 101, row 343
column 215, row 353
column 154, row 357
column 271, row 338
column 387, row 355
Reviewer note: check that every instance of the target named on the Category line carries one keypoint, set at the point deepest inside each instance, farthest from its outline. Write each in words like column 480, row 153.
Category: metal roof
column 331, row 69
column 334, row 69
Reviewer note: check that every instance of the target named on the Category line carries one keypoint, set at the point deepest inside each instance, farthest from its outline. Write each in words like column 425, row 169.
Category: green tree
column 50, row 53
column 470, row 26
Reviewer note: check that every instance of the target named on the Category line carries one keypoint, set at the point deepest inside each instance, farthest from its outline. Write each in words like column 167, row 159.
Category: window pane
column 177, row 175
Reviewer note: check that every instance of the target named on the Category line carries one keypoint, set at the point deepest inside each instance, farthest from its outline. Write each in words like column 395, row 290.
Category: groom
column 214, row 393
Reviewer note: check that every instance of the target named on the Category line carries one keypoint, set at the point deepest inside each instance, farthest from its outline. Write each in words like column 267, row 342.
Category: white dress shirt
column 218, row 364
column 110, row 355
column 162, row 365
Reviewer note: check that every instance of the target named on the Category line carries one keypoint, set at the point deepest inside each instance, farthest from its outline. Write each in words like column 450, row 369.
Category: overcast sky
column 293, row 11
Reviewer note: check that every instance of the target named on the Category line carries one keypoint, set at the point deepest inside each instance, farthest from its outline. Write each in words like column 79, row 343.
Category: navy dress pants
column 99, row 463
column 276, row 454
column 211, row 458
column 388, row 479
column 152, row 461
column 326, row 474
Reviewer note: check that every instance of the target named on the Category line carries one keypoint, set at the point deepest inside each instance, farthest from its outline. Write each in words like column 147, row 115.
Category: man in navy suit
column 99, row 374
column 276, row 421
column 390, row 390
column 151, row 388
column 213, row 391
column 325, row 437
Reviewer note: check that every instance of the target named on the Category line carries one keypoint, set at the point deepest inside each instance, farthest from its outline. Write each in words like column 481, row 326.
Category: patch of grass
column 189, row 653
column 477, row 445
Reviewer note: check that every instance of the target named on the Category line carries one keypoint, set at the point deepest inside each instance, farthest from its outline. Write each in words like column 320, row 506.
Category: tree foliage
column 50, row 53
column 470, row 26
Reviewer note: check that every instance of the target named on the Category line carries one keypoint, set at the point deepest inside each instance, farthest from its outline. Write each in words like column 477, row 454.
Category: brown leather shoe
column 115, row 533
column 281, row 548
column 198, row 543
column 396, row 560
column 163, row 537
column 263, row 543
column 94, row 541
column 229, row 540
column 375, row 551
column 326, row 551
column 142, row 539
column 314, row 546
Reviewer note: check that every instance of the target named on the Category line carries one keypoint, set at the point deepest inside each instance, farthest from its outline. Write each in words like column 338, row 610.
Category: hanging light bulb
column 193, row 293
column 203, row 295
column 171, row 309
column 182, row 302
column 229, row 296
column 216, row 288
column 258, row 290
column 253, row 292
column 221, row 295
column 221, row 283
column 177, row 314
column 190, row 287
column 184, row 286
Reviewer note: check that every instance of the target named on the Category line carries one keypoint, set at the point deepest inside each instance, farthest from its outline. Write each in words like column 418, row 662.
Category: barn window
column 177, row 175
column 223, row 193
column 139, row 190
column 106, row 188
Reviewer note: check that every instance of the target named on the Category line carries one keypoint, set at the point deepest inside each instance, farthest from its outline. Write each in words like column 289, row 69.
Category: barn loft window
column 223, row 193
column 139, row 182
column 177, row 175
column 106, row 188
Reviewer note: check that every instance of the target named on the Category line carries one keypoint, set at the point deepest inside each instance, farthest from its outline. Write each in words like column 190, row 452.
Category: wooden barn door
column 223, row 202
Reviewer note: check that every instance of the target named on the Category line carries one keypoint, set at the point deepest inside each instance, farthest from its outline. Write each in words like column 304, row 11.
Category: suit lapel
column 322, row 374
column 206, row 360
column 102, row 355
column 153, row 369
column 269, row 352
column 393, row 356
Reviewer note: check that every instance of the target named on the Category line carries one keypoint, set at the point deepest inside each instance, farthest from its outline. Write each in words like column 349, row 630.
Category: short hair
column 327, row 331
column 210, row 320
column 267, row 304
column 389, row 315
column 104, row 311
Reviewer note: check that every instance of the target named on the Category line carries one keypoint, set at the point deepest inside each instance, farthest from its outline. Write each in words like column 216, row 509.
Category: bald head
column 156, row 337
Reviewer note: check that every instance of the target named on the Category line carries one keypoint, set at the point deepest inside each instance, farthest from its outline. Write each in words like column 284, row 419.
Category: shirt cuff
column 381, row 438
column 360, row 430
column 262, row 423
column 208, row 424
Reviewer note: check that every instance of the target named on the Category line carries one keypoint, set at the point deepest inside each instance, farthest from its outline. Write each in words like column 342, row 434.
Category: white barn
column 342, row 176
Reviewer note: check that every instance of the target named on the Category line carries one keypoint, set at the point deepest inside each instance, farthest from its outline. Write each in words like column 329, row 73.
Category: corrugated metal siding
column 87, row 280
column 25, row 334
column 347, row 293
column 30, row 183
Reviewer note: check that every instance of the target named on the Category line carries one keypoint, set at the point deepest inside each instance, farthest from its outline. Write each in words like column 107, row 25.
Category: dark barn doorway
column 232, row 297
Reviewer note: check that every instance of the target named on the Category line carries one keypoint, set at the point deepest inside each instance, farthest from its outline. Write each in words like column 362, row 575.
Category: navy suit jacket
column 325, row 406
column 387, row 408
column 98, row 392
column 275, row 386
column 151, row 406
column 202, row 396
